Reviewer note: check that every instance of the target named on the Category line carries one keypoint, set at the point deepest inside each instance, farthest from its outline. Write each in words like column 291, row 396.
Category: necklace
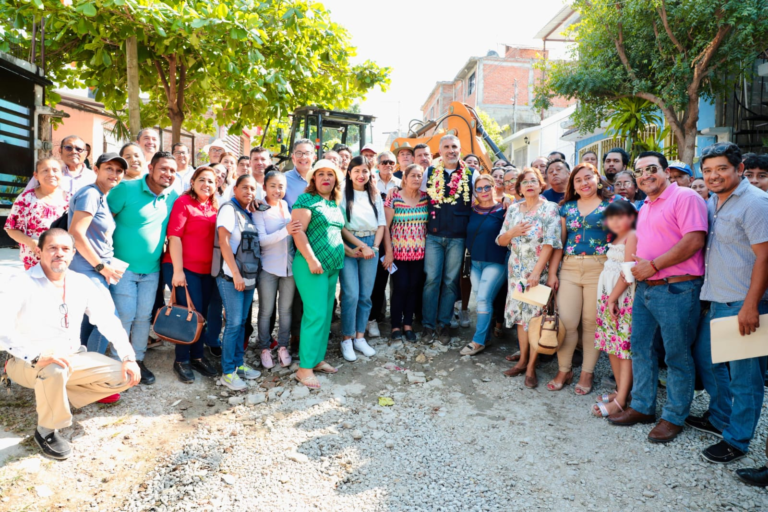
column 457, row 187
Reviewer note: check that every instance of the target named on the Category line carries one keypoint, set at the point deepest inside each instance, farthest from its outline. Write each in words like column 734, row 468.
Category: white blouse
column 277, row 247
column 362, row 217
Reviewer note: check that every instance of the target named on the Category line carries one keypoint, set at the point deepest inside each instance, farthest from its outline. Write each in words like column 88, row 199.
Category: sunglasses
column 718, row 149
column 387, row 162
column 651, row 169
column 74, row 149
column 486, row 188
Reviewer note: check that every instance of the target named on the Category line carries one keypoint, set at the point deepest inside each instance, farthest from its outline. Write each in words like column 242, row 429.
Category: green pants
column 317, row 292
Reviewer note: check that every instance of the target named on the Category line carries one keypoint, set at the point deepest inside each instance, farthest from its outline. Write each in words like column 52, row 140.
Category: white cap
column 369, row 147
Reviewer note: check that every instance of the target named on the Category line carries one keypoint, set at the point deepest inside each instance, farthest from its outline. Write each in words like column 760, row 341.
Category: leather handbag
column 546, row 333
column 178, row 324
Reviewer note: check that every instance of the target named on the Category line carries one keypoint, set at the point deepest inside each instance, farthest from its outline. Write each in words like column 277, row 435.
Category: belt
column 584, row 256
column 670, row 280
column 363, row 233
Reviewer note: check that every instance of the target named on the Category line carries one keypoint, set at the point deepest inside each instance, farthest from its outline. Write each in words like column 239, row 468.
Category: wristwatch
column 99, row 267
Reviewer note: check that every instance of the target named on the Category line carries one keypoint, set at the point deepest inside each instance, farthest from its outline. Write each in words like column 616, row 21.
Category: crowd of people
column 639, row 257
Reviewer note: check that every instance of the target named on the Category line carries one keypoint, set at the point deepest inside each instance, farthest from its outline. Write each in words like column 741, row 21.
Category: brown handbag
column 178, row 324
column 546, row 333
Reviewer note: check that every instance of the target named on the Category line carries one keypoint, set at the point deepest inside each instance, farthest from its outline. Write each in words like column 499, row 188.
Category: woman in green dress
column 316, row 266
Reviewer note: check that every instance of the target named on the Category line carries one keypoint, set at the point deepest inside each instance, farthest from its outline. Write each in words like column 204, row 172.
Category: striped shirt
column 740, row 223
column 409, row 227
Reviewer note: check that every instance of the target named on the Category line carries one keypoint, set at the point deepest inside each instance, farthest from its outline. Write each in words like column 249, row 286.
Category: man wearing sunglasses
column 76, row 174
column 671, row 228
column 735, row 285
column 41, row 311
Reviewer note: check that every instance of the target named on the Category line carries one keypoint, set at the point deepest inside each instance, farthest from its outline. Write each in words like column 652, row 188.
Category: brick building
column 488, row 83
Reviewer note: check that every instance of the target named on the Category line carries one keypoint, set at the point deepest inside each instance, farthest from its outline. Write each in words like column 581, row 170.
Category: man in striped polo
column 735, row 283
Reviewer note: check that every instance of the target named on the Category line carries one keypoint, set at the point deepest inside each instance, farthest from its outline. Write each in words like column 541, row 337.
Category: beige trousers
column 577, row 303
column 92, row 376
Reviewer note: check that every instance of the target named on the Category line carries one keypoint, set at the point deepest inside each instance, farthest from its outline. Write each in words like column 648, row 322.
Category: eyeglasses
column 486, row 188
column 74, row 149
column 622, row 184
column 180, row 153
column 64, row 310
column 525, row 183
column 718, row 149
column 651, row 169
column 216, row 149
column 509, row 182
column 302, row 154
column 387, row 162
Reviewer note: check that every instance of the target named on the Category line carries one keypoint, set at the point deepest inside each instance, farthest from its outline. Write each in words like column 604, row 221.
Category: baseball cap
column 681, row 166
column 368, row 147
column 111, row 157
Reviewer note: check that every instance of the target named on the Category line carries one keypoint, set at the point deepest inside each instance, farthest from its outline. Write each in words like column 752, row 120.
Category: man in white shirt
column 41, row 312
column 180, row 153
column 76, row 174
column 149, row 140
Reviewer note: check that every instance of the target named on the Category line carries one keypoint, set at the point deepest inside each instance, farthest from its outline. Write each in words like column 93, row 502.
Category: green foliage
column 493, row 129
column 631, row 117
column 249, row 61
column 669, row 52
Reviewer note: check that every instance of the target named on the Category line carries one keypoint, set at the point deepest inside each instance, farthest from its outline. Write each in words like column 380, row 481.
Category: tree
column 493, row 130
column 630, row 117
column 672, row 53
column 249, row 61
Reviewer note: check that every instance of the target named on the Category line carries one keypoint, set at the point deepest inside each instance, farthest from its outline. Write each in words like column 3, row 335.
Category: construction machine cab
column 326, row 128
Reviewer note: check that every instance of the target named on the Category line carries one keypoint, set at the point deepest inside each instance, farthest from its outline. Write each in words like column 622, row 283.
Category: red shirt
column 195, row 224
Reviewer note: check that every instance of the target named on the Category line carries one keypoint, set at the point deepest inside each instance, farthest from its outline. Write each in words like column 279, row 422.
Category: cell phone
column 263, row 207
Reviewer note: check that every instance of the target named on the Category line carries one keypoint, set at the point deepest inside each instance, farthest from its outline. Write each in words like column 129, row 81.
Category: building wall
column 89, row 127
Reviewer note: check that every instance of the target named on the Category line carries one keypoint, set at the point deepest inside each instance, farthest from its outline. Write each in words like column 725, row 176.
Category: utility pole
column 514, row 110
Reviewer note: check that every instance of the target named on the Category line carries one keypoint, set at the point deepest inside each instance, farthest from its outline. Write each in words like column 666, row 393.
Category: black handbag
column 178, row 324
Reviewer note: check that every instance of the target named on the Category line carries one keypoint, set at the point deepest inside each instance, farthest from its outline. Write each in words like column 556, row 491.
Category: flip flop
column 601, row 409
column 311, row 382
column 324, row 367
column 606, row 397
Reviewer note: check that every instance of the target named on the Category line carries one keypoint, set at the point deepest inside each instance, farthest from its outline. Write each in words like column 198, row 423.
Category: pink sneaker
column 284, row 356
column 266, row 359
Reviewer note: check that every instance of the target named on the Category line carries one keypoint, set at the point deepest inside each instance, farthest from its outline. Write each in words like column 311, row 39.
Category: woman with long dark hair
column 364, row 224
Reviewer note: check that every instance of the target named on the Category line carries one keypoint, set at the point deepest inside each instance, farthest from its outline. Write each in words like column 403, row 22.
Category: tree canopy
column 248, row 61
column 668, row 52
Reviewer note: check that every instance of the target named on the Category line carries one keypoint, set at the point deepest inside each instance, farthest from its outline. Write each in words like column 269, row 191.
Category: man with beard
column 141, row 209
column 558, row 172
column 671, row 229
column 735, row 285
column 614, row 161
column 41, row 311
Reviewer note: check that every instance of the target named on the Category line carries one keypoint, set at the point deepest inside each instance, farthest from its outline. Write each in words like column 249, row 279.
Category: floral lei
column 458, row 186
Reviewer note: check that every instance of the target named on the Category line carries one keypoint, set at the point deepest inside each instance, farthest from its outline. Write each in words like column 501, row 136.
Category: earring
column 599, row 186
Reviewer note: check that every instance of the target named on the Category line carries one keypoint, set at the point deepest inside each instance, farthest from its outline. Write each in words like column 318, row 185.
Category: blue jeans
column 134, row 297
column 89, row 333
column 442, row 263
column 237, row 305
column 357, row 279
column 269, row 284
column 673, row 309
column 200, row 288
column 487, row 278
column 735, row 400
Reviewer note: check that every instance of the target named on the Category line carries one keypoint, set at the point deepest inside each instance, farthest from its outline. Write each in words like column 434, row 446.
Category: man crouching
column 41, row 312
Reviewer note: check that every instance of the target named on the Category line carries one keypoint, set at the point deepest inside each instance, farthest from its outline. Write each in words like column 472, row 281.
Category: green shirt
column 324, row 230
column 140, row 218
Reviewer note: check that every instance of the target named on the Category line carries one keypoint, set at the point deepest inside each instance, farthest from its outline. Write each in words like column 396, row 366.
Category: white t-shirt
column 228, row 220
column 362, row 217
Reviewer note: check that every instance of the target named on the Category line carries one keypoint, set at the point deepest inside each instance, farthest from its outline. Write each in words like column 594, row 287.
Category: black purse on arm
column 178, row 324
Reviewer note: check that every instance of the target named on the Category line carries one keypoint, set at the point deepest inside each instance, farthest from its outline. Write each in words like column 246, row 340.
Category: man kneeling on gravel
column 41, row 312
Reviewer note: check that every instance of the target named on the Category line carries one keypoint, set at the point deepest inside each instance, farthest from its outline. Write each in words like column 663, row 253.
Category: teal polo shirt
column 140, row 221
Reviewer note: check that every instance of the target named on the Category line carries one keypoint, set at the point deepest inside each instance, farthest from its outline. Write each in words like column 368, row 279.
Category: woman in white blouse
column 275, row 230
column 363, row 232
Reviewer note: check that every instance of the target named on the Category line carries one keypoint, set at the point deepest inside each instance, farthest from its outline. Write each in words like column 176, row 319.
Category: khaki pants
column 92, row 377
column 577, row 303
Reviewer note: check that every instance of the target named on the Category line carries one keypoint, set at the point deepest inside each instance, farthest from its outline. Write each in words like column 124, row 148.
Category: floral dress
column 33, row 217
column 524, row 254
column 586, row 234
column 613, row 337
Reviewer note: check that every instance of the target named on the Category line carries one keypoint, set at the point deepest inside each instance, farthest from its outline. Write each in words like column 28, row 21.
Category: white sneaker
column 464, row 318
column 347, row 351
column 363, row 347
column 373, row 329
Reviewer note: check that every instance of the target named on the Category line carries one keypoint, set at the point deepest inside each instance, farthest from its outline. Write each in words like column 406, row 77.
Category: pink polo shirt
column 663, row 222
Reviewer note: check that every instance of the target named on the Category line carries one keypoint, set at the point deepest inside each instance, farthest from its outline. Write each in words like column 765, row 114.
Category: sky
column 426, row 41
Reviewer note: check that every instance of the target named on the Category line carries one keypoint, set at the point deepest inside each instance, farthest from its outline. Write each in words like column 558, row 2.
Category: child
column 614, row 306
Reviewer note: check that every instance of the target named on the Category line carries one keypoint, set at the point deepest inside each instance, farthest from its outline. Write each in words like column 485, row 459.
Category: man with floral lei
column 449, row 187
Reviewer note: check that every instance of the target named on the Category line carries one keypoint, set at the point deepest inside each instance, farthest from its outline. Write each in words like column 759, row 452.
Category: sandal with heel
column 584, row 390
column 554, row 386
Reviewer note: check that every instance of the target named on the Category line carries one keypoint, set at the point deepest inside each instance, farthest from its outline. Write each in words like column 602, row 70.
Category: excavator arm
column 461, row 121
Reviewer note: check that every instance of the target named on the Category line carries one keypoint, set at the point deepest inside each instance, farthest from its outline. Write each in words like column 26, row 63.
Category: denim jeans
column 442, row 263
column 357, row 278
column 269, row 284
column 236, row 304
column 89, row 333
column 735, row 400
column 487, row 278
column 200, row 288
column 672, row 309
column 134, row 297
